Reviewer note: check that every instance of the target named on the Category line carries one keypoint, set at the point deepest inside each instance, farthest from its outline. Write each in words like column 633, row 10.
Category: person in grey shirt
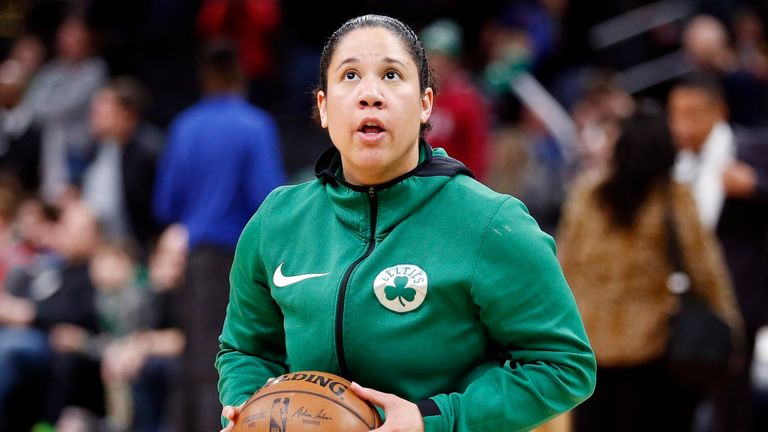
column 58, row 100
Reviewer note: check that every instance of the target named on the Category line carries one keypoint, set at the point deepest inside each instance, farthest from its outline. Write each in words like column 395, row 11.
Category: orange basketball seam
column 346, row 407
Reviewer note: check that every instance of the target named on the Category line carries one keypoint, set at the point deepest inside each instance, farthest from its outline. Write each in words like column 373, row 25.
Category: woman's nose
column 370, row 94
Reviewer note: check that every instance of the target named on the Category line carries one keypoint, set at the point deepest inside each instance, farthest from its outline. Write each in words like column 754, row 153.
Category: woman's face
column 373, row 107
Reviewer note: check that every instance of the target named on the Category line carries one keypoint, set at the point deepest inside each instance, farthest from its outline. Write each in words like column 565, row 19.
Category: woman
column 397, row 270
column 613, row 250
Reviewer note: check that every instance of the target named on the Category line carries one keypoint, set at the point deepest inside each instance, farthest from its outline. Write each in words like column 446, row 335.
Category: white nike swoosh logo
column 280, row 280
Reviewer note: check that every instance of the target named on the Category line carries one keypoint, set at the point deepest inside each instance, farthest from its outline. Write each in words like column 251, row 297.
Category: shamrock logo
column 401, row 288
column 400, row 291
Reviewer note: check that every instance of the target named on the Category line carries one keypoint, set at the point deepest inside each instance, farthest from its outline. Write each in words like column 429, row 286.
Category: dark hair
column 707, row 83
column 642, row 157
column 130, row 93
column 397, row 28
column 219, row 61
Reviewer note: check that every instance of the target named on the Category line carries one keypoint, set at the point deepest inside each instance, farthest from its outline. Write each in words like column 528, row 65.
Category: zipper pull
column 371, row 192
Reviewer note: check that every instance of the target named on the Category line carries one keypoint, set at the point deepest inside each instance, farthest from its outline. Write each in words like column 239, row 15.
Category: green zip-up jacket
column 432, row 287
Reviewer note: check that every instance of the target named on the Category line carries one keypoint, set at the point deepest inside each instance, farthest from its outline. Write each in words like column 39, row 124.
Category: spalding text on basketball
column 335, row 387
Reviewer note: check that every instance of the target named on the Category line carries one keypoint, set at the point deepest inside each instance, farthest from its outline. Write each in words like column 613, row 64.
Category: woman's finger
column 230, row 413
column 373, row 396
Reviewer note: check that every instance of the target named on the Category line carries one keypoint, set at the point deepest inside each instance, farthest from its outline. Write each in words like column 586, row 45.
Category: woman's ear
column 427, row 100
column 321, row 108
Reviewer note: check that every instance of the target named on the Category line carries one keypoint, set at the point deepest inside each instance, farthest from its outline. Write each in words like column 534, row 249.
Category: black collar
column 328, row 167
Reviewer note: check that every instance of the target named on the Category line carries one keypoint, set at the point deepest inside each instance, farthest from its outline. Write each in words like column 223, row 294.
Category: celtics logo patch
column 401, row 288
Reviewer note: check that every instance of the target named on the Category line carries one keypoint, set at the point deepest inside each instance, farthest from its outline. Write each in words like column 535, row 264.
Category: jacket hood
column 432, row 162
column 395, row 199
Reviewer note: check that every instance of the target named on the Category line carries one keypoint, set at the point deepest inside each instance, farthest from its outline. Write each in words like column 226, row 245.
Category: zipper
column 342, row 360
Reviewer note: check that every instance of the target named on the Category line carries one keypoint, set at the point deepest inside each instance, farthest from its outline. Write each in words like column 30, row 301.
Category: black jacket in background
column 61, row 294
column 743, row 232
column 139, row 165
column 20, row 157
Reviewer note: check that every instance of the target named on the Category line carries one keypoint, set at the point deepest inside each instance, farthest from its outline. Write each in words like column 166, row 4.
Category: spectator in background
column 527, row 163
column 750, row 44
column 461, row 116
column 705, row 140
column 30, row 230
column 535, row 21
column 58, row 101
column 118, row 184
column 221, row 161
column 613, row 249
column 120, row 301
column 19, row 138
column 705, row 41
column 24, row 355
column 55, row 289
column 597, row 114
column 29, row 51
column 251, row 24
column 727, row 169
column 147, row 360
column 707, row 45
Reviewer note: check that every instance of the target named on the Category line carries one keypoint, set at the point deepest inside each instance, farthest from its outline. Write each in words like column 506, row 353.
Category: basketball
column 307, row 401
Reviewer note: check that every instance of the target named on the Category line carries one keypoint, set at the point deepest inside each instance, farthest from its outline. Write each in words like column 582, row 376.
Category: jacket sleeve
column 528, row 309
column 252, row 342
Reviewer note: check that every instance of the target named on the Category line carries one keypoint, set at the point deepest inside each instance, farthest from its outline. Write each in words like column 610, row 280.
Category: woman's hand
column 230, row 413
column 401, row 415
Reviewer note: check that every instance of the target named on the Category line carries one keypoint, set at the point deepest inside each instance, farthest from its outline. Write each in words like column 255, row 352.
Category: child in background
column 121, row 299
column 147, row 359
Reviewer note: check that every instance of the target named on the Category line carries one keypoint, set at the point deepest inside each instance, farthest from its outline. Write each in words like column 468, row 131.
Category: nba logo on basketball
column 307, row 401
column 279, row 417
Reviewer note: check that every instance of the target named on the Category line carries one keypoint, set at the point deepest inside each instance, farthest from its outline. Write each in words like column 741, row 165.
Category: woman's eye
column 349, row 76
column 391, row 75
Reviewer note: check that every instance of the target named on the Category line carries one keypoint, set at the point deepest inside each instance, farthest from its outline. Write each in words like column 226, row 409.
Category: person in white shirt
column 705, row 145
column 727, row 170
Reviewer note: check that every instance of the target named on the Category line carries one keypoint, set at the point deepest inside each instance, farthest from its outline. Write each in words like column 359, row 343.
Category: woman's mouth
column 370, row 131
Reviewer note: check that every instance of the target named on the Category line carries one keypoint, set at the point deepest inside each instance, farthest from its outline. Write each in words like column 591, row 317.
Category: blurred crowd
column 139, row 136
